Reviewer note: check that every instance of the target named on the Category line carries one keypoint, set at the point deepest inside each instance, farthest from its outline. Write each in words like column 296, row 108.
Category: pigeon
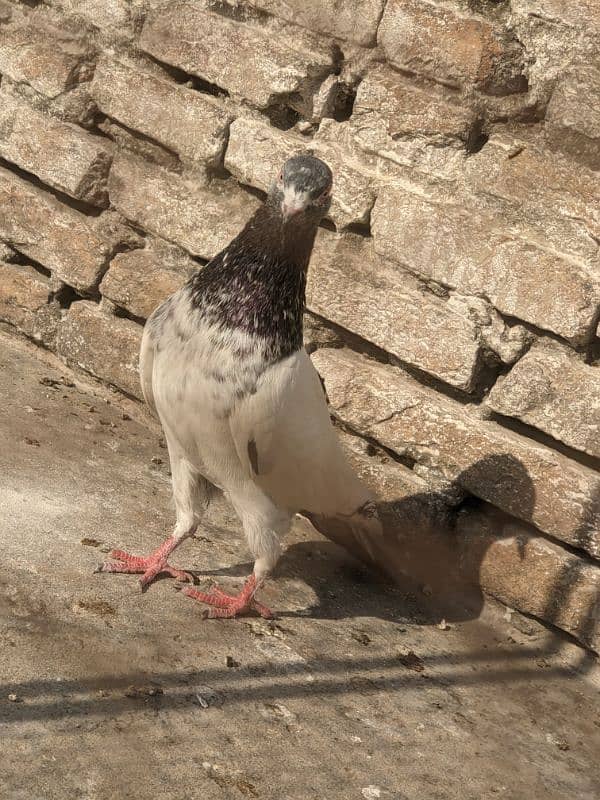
column 243, row 409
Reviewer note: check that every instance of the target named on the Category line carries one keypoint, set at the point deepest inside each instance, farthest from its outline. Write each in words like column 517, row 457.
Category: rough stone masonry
column 454, row 295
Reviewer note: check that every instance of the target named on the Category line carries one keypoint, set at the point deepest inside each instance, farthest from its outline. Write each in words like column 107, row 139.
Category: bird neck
column 257, row 284
column 289, row 242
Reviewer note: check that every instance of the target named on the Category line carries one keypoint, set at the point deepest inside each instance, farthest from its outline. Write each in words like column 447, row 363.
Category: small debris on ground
column 89, row 542
column 34, row 442
column 443, row 625
column 96, row 607
column 14, row 698
column 54, row 383
column 231, row 662
column 142, row 692
column 412, row 661
column 558, row 741
column 361, row 637
column 206, row 696
column 156, row 460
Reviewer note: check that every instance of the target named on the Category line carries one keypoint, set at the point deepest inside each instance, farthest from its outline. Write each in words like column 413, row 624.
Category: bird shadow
column 429, row 563
column 425, row 569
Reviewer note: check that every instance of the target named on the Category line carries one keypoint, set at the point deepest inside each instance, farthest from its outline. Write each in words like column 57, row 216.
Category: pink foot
column 150, row 566
column 228, row 605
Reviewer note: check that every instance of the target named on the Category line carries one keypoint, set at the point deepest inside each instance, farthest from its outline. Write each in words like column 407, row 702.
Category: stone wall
column 454, row 294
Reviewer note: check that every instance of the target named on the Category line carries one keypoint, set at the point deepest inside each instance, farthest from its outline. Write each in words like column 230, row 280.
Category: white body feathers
column 259, row 431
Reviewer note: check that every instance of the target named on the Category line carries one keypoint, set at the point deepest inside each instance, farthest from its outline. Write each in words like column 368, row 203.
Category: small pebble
column 14, row 698
column 231, row 662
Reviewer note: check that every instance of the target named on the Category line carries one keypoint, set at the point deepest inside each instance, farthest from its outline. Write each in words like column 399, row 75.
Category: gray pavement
column 356, row 691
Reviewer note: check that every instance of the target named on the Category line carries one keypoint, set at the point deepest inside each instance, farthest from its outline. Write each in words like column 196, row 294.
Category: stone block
column 353, row 287
column 573, row 116
column 351, row 20
column 530, row 573
column 275, row 68
column 47, row 58
column 554, row 201
column 552, row 389
column 65, row 241
column 201, row 220
column 459, row 51
column 116, row 19
column 394, row 107
column 256, row 152
column 528, row 480
column 60, row 154
column 191, row 124
column 106, row 346
column 467, row 250
column 139, row 280
column 24, row 302
column 427, row 542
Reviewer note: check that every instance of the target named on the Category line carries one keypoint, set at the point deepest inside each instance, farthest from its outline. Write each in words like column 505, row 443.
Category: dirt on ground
column 357, row 690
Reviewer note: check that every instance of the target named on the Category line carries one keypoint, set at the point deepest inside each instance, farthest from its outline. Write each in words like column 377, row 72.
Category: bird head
column 302, row 189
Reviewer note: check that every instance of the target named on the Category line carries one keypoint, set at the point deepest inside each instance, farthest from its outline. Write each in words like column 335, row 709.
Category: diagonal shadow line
column 301, row 667
column 271, row 691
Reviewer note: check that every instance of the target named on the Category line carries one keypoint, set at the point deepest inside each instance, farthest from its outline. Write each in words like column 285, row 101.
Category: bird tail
column 360, row 532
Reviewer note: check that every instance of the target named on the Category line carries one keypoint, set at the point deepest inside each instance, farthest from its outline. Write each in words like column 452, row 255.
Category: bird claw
column 148, row 566
column 226, row 605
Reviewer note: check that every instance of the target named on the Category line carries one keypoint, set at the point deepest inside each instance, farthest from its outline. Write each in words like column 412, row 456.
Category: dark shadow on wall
column 434, row 565
column 434, row 557
column 438, row 558
column 570, row 578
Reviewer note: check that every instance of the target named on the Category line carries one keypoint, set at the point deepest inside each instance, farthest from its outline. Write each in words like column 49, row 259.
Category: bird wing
column 286, row 442
column 147, row 365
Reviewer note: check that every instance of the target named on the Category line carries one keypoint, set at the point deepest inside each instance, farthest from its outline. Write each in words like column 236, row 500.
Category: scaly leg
column 191, row 494
column 263, row 524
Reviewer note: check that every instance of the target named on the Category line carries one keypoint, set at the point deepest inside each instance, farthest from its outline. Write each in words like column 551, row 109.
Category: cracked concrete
column 358, row 690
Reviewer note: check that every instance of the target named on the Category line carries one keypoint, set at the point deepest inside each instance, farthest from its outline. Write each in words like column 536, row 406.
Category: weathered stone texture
column 438, row 43
column 139, row 280
column 553, row 201
column 187, row 122
column 106, row 346
column 63, row 240
column 528, row 480
column 427, row 542
column 552, row 389
column 24, row 298
column 116, row 18
column 60, row 154
column 467, row 250
column 395, row 108
column 532, row 574
column 354, row 20
column 351, row 286
column 573, row 116
column 50, row 60
column 464, row 140
column 199, row 219
column 256, row 152
column 275, row 70
column 6, row 11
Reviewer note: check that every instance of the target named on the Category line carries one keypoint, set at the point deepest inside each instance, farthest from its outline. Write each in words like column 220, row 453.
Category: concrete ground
column 356, row 691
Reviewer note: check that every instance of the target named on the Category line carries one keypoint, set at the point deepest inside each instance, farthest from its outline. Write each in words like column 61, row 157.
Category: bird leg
column 228, row 605
column 149, row 566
